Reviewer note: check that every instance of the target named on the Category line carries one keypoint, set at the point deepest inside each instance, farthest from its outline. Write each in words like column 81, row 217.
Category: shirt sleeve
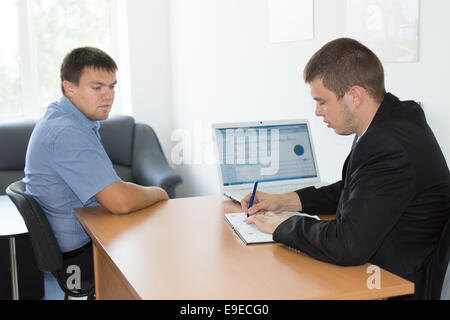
column 81, row 161
column 381, row 185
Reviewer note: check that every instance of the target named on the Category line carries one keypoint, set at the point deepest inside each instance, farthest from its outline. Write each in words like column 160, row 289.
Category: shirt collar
column 69, row 107
column 359, row 137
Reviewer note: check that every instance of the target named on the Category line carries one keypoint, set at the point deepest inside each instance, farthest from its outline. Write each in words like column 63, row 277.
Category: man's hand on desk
column 268, row 221
column 277, row 203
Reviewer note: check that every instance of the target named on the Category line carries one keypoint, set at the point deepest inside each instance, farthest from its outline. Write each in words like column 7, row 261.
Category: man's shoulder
column 395, row 126
column 57, row 124
column 405, row 116
column 408, row 112
column 379, row 144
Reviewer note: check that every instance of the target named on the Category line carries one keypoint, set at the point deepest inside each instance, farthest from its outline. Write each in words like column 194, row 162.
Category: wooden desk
column 184, row 249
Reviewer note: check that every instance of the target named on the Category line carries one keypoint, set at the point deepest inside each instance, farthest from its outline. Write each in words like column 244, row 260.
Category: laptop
column 278, row 154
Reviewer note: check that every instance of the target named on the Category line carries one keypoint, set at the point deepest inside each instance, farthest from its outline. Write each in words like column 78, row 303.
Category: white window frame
column 29, row 72
column 121, row 52
column 29, row 64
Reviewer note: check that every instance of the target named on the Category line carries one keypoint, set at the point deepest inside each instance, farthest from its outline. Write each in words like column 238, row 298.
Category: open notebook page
column 250, row 233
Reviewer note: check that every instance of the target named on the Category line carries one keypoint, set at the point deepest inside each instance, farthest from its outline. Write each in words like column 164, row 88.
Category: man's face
column 94, row 94
column 337, row 113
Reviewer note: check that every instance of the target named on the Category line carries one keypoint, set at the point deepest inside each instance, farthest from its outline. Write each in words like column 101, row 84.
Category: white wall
column 150, row 66
column 223, row 68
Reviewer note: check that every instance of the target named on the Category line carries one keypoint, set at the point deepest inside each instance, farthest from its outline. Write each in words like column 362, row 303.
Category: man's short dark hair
column 80, row 58
column 343, row 63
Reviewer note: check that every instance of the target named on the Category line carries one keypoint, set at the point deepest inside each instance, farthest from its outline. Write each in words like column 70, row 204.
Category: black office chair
column 14, row 138
column 48, row 255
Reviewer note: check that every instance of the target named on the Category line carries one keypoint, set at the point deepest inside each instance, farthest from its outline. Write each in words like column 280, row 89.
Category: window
column 40, row 33
column 10, row 80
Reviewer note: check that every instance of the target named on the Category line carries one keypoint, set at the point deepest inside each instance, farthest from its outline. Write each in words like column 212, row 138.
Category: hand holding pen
column 261, row 202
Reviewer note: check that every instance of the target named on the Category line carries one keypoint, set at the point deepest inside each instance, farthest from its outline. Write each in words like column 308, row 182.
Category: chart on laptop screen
column 266, row 153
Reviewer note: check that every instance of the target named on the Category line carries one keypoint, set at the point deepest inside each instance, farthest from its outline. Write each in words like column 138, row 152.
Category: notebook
column 279, row 154
column 249, row 233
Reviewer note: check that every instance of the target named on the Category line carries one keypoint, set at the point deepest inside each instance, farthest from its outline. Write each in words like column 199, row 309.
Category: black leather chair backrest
column 136, row 153
column 14, row 139
column 46, row 250
column 117, row 138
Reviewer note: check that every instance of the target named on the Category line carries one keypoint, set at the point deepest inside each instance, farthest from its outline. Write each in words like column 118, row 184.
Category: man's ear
column 69, row 88
column 356, row 95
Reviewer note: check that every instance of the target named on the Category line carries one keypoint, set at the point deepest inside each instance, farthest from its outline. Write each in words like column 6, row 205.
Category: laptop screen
column 265, row 153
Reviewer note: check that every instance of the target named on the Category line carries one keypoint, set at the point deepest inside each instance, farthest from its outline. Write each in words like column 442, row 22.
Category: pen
column 253, row 196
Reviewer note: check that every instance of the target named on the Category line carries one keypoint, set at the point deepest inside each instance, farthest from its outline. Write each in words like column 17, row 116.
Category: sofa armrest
column 150, row 166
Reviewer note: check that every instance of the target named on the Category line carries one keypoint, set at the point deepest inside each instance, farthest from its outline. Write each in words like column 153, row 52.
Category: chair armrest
column 160, row 175
column 150, row 166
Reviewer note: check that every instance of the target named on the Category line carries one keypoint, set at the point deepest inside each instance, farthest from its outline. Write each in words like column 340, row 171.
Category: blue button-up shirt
column 66, row 165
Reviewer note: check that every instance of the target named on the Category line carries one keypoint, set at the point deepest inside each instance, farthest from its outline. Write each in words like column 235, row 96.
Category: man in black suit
column 394, row 196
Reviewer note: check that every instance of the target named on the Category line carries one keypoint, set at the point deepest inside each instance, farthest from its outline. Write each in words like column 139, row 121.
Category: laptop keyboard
column 282, row 189
column 239, row 194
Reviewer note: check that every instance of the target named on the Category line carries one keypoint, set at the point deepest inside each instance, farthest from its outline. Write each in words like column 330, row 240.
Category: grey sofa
column 133, row 148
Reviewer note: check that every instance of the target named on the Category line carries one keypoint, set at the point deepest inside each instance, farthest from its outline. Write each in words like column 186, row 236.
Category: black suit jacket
column 391, row 204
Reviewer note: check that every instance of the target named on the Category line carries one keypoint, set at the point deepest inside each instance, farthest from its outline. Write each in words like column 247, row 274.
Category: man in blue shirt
column 66, row 165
